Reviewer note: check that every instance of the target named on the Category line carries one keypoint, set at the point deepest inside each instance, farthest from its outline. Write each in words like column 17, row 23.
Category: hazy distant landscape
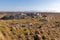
column 29, row 26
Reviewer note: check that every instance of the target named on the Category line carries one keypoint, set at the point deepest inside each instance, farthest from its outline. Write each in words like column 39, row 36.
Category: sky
column 30, row 5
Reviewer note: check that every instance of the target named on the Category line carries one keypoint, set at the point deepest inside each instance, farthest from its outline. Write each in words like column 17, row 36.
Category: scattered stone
column 20, row 16
column 31, row 33
column 39, row 27
column 43, row 37
column 23, row 25
column 42, row 20
column 44, row 16
column 11, row 29
column 30, row 24
column 36, row 37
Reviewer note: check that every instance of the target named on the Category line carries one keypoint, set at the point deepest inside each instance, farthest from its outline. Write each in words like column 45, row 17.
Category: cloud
column 53, row 7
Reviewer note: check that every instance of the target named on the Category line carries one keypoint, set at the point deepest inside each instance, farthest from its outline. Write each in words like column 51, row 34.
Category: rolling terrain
column 29, row 26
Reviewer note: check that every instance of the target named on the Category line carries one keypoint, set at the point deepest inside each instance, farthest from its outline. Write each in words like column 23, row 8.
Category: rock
column 43, row 20
column 20, row 15
column 24, row 25
column 44, row 16
column 4, row 18
column 36, row 37
column 39, row 26
column 30, row 24
column 43, row 38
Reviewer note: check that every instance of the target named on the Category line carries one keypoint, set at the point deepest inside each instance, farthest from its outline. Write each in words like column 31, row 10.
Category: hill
column 32, row 26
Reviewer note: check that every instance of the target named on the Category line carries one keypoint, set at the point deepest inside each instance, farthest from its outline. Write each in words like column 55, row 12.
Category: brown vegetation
column 39, row 28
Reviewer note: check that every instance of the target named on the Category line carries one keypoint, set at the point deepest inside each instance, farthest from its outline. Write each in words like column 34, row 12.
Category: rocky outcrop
column 19, row 16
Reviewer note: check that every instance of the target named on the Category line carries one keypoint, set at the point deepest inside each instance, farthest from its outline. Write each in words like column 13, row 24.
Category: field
column 44, row 27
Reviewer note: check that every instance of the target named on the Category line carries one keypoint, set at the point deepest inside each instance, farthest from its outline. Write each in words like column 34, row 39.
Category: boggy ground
column 39, row 28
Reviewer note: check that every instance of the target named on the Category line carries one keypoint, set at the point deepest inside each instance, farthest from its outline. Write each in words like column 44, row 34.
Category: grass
column 41, row 29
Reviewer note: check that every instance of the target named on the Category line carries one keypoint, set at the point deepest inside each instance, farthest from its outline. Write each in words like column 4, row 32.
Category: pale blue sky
column 27, row 5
